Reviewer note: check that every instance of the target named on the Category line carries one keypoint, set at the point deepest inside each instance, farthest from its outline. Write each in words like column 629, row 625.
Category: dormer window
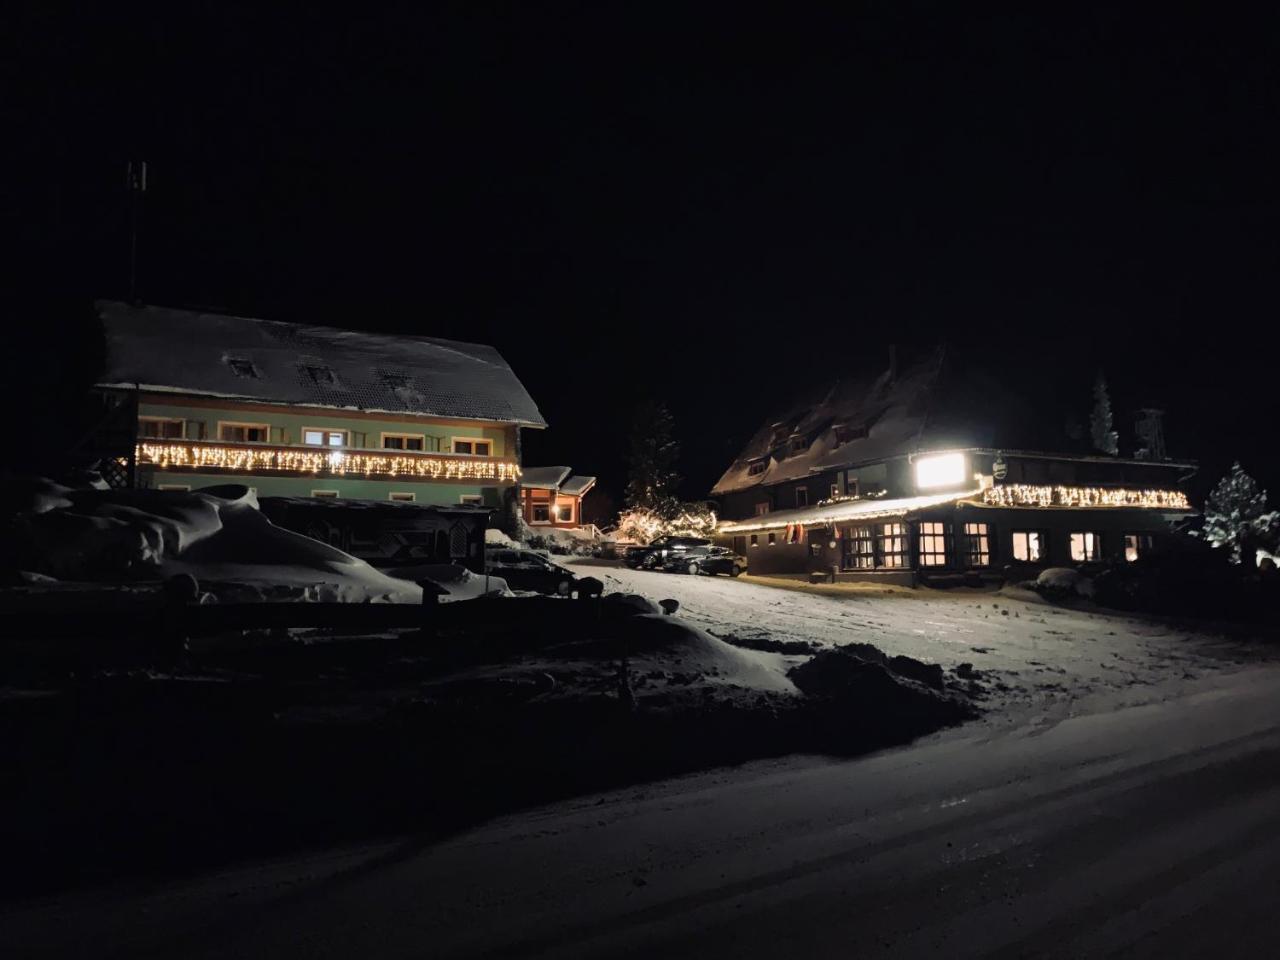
column 396, row 381
column 242, row 367
column 320, row 375
column 846, row 432
column 756, row 468
column 799, row 444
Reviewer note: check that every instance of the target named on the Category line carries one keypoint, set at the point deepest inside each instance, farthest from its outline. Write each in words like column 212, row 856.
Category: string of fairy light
column 1030, row 495
column 337, row 463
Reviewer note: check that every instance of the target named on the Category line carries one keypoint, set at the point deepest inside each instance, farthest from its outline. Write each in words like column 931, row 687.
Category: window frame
column 928, row 541
column 149, row 419
column 1042, row 540
column 752, row 470
column 802, row 496
column 899, row 537
column 325, row 432
column 563, row 506
column 979, row 538
column 392, row 435
column 471, row 499
column 247, row 425
column 326, row 494
column 1083, row 534
column 402, row 496
column 859, row 552
column 537, row 505
column 1141, row 542
column 762, row 508
column 454, row 441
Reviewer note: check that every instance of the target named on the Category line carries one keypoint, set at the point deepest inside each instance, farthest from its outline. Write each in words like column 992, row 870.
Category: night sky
column 711, row 208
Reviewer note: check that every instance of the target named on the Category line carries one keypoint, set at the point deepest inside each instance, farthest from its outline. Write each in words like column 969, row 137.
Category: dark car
column 661, row 550
column 709, row 560
column 526, row 570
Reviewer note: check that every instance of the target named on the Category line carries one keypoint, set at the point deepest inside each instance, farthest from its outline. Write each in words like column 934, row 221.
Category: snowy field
column 1033, row 656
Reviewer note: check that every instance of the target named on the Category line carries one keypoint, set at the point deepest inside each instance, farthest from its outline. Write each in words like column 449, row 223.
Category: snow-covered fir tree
column 1101, row 427
column 1236, row 516
column 652, row 459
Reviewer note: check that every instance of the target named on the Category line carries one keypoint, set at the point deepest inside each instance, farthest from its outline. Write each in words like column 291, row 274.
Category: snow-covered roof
column 214, row 355
column 577, row 486
column 543, row 478
column 842, row 511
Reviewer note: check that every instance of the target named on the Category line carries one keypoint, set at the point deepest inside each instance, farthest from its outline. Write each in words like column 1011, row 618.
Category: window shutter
column 359, row 438
column 195, row 429
column 276, row 434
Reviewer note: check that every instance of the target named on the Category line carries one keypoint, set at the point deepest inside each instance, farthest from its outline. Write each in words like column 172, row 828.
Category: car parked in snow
column 527, row 570
column 708, row 560
column 659, row 551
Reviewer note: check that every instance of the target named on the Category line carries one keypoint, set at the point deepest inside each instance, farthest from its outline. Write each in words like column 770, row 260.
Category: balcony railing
column 257, row 458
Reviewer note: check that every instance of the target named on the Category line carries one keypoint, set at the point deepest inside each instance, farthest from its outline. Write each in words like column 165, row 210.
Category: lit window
column 403, row 441
column 1086, row 546
column 1028, row 546
column 933, row 544
column 835, row 490
column 243, row 432
column 944, row 470
column 325, row 494
column 977, row 545
column 802, row 496
column 402, row 497
column 473, row 448
column 324, row 438
column 859, row 549
column 762, row 508
column 1135, row 545
column 161, row 428
column 892, row 544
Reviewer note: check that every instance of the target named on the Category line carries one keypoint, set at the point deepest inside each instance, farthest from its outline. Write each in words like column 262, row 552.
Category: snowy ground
column 1037, row 658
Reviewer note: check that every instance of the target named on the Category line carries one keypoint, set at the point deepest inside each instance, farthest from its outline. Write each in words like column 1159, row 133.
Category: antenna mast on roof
column 136, row 181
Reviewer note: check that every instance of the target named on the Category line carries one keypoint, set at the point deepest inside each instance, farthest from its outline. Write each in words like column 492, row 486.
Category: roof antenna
column 136, row 181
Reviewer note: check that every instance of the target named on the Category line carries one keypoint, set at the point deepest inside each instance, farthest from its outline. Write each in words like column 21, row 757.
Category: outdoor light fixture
column 943, row 470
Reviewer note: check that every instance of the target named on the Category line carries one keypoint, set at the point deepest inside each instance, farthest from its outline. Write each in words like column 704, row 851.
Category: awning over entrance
column 843, row 511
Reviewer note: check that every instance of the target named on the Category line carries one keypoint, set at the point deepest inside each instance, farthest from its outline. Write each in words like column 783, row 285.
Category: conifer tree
column 1236, row 517
column 1101, row 428
column 652, row 459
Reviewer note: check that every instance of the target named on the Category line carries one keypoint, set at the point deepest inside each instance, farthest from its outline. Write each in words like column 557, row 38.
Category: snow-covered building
column 297, row 410
column 551, row 497
column 932, row 470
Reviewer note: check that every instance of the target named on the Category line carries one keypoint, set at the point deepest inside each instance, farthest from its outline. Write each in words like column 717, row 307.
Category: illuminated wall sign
column 264, row 459
column 943, row 470
column 1028, row 495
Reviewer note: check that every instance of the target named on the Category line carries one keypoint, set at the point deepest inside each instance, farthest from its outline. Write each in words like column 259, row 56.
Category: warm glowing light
column 1029, row 495
column 943, row 470
column 259, row 458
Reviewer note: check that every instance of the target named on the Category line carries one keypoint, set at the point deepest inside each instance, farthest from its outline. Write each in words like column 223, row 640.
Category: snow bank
column 216, row 535
column 496, row 537
column 461, row 583
column 1063, row 582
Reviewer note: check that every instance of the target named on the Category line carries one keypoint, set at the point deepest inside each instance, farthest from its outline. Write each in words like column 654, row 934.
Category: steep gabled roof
column 932, row 404
column 214, row 355
column 577, row 486
column 543, row 478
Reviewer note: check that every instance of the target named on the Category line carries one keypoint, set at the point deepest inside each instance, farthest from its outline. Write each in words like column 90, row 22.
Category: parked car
column 709, row 560
column 526, row 570
column 661, row 550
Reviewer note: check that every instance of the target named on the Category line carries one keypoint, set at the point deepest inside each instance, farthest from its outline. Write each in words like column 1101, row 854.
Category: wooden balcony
column 275, row 459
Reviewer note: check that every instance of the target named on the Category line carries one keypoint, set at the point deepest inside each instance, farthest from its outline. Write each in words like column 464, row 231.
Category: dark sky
column 712, row 207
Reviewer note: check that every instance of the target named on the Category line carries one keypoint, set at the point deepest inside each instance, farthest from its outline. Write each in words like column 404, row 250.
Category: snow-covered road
column 1053, row 661
column 1152, row 830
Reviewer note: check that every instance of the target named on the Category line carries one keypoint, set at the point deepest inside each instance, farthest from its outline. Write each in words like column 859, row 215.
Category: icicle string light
column 336, row 463
column 1029, row 495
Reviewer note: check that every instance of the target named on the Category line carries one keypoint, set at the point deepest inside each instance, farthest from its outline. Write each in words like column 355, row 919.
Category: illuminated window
column 313, row 437
column 859, row 549
column 402, row 496
column 933, row 543
column 802, row 496
column 1135, row 545
column 1029, row 546
column 403, row 441
column 472, row 446
column 762, row 508
column 943, row 470
column 325, row 494
column 977, row 545
column 1086, row 546
column 835, row 490
column 162, row 428
column 891, row 545
column 243, row 432
column 756, row 468
column 564, row 513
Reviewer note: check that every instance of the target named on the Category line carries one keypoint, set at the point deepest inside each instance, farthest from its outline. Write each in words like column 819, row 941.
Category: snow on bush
column 1063, row 582
column 1236, row 516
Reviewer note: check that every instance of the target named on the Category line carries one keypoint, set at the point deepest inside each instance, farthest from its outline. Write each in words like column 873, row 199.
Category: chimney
column 893, row 362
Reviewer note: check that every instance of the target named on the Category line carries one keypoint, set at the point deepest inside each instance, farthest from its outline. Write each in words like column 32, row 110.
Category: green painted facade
column 363, row 434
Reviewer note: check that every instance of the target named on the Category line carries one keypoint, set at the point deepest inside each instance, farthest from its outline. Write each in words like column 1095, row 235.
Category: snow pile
column 216, row 535
column 861, row 680
column 1061, row 582
column 495, row 537
column 461, row 583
